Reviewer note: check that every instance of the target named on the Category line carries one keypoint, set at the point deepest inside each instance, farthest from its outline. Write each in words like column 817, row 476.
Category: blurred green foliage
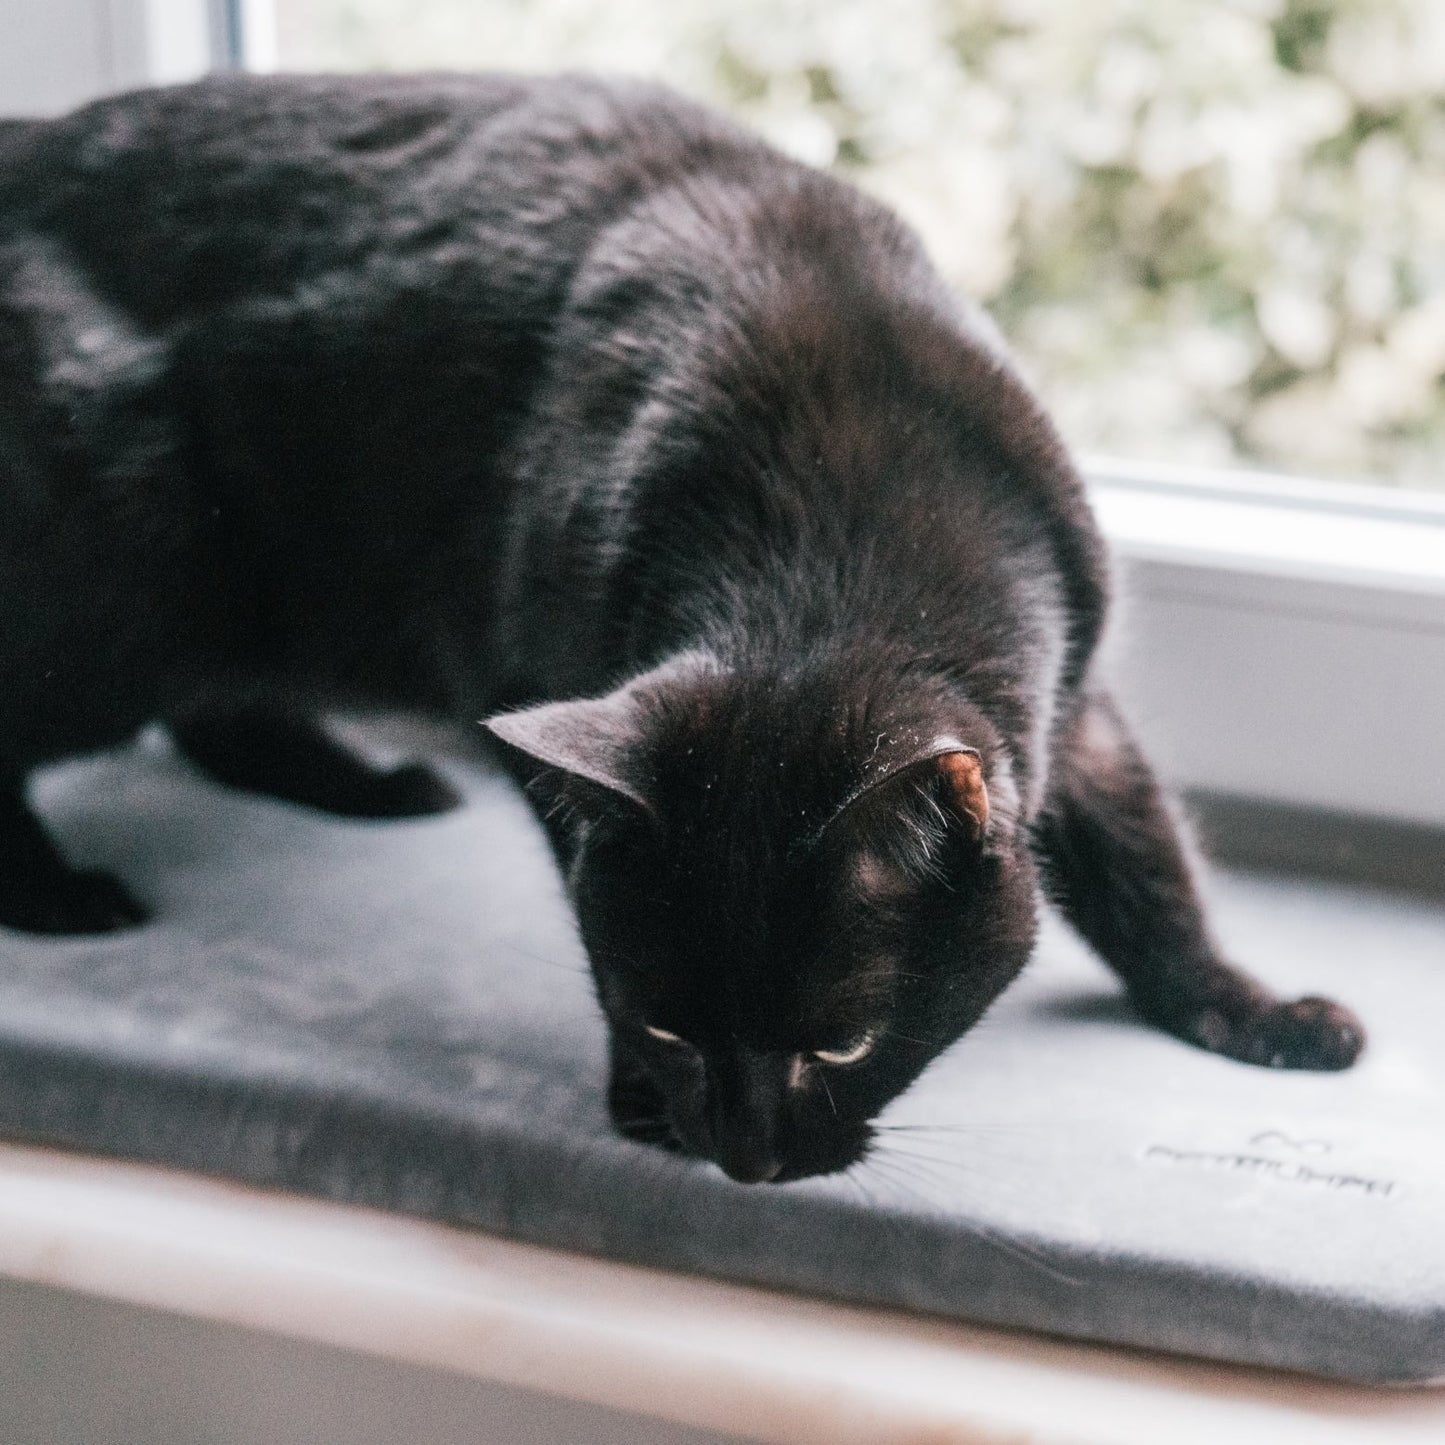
column 1214, row 229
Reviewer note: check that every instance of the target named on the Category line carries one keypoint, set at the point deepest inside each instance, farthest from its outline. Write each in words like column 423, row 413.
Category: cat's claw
column 1308, row 1033
column 80, row 902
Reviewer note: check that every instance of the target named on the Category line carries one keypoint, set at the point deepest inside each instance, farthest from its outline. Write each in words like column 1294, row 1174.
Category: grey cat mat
column 397, row 1014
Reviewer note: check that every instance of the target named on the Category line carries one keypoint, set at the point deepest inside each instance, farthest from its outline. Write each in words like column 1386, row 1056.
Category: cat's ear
column 594, row 738
column 952, row 771
column 604, row 739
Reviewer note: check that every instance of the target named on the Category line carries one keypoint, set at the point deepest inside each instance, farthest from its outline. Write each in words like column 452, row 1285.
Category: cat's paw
column 410, row 791
column 76, row 902
column 1308, row 1033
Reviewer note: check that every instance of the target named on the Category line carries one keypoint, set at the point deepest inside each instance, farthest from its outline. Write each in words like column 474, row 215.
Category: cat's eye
column 854, row 1053
column 665, row 1036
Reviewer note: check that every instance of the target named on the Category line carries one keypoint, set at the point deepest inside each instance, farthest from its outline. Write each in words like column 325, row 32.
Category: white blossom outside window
column 1215, row 229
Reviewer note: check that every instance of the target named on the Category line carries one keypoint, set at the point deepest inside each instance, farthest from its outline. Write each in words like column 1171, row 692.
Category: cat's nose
column 744, row 1102
column 750, row 1166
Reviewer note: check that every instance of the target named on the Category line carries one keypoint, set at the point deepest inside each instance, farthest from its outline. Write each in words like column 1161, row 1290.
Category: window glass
column 1214, row 229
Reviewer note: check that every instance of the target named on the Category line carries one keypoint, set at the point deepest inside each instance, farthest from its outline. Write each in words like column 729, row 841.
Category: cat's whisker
column 957, row 1173
column 897, row 1181
column 956, row 1161
column 955, row 1131
column 925, row 1168
column 966, row 1124
column 543, row 958
column 898, row 1175
column 964, row 1164
column 991, row 1164
column 895, row 1225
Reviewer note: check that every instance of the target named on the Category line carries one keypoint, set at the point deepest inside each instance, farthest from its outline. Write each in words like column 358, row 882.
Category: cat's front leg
column 1113, row 853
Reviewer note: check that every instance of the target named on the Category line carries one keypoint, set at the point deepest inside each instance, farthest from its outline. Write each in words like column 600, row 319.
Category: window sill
column 683, row 1353
column 1282, row 641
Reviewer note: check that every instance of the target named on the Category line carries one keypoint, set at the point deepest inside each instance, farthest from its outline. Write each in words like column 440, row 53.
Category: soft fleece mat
column 398, row 1015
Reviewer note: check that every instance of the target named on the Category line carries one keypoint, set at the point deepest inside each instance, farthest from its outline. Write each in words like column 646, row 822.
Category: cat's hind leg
column 1118, row 867
column 294, row 758
column 40, row 892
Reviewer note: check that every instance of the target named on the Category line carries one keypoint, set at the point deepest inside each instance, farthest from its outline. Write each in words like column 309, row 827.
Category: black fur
column 570, row 402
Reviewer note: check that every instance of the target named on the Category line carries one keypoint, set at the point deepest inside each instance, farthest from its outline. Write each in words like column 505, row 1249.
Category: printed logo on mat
column 1285, row 1158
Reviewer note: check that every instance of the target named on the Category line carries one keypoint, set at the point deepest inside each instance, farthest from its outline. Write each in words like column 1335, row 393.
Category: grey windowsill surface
column 398, row 1016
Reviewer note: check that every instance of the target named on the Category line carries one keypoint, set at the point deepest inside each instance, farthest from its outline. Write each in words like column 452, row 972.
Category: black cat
column 570, row 399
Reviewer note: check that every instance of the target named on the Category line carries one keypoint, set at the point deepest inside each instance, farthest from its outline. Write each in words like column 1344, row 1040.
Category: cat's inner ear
column 962, row 772
column 599, row 739
column 944, row 768
column 897, row 826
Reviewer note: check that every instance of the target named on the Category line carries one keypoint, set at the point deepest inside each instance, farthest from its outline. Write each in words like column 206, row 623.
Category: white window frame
column 1277, row 640
column 57, row 54
column 1283, row 640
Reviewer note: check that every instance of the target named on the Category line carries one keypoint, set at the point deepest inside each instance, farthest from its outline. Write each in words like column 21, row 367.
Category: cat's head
column 794, row 889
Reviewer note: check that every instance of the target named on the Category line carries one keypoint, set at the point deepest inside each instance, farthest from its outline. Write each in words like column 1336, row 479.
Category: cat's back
column 182, row 199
